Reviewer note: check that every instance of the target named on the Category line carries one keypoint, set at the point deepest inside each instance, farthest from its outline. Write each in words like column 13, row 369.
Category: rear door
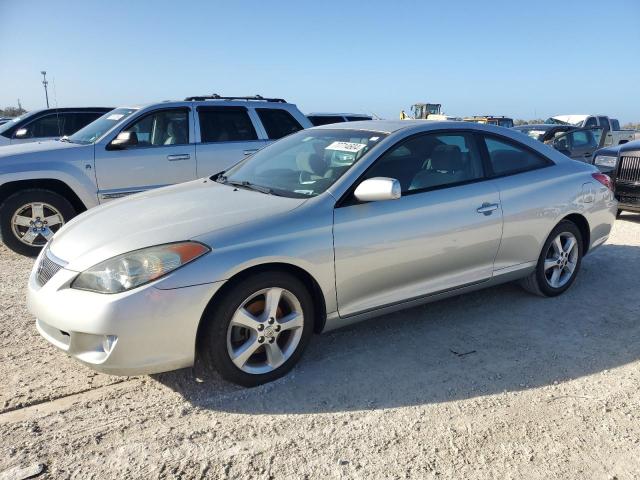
column 225, row 135
column 164, row 155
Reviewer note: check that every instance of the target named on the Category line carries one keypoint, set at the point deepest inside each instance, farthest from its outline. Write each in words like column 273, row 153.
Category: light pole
column 45, row 83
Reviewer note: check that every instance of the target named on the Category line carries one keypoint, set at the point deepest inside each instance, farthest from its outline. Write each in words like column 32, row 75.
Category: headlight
column 124, row 272
column 605, row 161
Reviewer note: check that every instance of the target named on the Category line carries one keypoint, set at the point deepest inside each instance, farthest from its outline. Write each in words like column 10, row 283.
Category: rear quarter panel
column 534, row 202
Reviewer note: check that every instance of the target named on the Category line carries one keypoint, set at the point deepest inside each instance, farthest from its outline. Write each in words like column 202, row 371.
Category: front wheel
column 257, row 331
column 28, row 219
column 559, row 262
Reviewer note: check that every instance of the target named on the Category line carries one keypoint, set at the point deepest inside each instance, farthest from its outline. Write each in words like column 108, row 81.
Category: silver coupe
column 323, row 228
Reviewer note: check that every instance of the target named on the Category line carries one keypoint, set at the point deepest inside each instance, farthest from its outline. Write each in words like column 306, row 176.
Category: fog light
column 108, row 342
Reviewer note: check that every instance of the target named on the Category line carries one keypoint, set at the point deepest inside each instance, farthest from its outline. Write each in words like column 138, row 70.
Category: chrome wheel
column 35, row 223
column 265, row 330
column 561, row 260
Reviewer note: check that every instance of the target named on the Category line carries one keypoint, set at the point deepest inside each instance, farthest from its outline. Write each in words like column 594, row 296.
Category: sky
column 514, row 58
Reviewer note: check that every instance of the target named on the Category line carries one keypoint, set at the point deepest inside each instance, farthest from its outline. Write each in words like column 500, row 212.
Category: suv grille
column 47, row 269
column 629, row 170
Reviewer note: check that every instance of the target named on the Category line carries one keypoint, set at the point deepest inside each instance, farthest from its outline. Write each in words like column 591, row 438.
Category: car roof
column 325, row 114
column 211, row 102
column 391, row 126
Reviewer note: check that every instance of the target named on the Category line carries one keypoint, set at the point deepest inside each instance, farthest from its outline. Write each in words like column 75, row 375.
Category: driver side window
column 162, row 128
column 431, row 161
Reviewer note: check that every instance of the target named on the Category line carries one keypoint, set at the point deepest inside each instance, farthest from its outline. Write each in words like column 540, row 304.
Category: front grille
column 47, row 269
column 629, row 170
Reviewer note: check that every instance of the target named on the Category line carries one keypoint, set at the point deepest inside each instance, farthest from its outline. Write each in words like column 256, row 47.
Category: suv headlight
column 605, row 161
column 133, row 269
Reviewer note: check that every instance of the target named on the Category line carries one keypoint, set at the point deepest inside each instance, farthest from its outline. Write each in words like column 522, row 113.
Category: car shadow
column 487, row 342
column 629, row 217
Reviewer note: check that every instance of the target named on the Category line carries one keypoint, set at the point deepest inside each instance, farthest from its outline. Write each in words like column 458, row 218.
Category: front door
column 444, row 232
column 162, row 156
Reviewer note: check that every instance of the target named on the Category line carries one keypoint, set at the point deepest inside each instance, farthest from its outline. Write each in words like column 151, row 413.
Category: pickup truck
column 611, row 132
column 129, row 150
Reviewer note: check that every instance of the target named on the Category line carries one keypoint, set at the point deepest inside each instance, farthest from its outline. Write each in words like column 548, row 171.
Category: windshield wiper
column 244, row 184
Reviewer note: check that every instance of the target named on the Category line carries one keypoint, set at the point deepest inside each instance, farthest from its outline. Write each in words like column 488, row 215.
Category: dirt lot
column 550, row 388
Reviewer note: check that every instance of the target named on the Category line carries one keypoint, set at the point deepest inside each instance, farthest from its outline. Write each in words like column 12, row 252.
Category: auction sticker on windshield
column 346, row 147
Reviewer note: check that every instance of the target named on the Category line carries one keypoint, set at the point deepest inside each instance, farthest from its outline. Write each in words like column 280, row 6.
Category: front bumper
column 145, row 330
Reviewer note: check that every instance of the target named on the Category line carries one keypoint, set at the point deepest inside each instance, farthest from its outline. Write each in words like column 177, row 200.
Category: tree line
column 12, row 111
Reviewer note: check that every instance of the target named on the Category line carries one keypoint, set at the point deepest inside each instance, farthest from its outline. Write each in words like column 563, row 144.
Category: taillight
column 604, row 180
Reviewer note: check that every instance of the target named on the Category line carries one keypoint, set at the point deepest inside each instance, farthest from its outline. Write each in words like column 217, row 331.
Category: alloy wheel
column 561, row 259
column 35, row 223
column 265, row 330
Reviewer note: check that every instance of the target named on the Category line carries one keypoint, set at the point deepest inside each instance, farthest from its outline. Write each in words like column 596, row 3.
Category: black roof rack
column 215, row 96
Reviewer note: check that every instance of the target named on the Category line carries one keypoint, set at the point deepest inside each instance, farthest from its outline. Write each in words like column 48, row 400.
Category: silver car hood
column 169, row 214
column 34, row 148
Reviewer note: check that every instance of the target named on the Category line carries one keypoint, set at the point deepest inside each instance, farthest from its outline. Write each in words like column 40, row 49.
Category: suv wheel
column 28, row 219
column 257, row 331
column 559, row 262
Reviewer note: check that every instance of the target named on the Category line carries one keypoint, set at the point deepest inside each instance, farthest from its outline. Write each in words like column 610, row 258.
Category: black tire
column 24, row 197
column 212, row 342
column 536, row 282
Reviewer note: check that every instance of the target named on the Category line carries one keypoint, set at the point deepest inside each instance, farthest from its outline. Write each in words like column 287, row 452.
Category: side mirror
column 377, row 189
column 561, row 144
column 21, row 133
column 123, row 140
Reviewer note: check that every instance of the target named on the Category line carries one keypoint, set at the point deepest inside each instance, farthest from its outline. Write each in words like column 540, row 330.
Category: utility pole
column 45, row 83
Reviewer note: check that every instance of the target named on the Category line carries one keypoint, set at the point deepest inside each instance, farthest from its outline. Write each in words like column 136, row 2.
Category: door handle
column 249, row 152
column 178, row 157
column 487, row 208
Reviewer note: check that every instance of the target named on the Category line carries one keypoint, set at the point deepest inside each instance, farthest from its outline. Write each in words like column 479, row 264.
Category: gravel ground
column 546, row 388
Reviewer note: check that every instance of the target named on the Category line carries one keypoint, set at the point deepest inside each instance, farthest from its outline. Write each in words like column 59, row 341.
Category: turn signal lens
column 133, row 269
column 604, row 180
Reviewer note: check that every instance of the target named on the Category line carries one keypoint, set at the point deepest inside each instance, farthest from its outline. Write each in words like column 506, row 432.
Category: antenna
column 45, row 83
column 55, row 99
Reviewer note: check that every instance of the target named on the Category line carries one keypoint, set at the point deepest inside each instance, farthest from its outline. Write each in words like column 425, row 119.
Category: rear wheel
column 257, row 331
column 28, row 219
column 559, row 262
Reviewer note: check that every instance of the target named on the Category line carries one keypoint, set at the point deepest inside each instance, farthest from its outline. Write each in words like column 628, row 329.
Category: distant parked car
column 129, row 150
column 576, row 143
column 622, row 164
column 324, row 228
column 612, row 134
column 500, row 121
column 48, row 124
column 327, row 118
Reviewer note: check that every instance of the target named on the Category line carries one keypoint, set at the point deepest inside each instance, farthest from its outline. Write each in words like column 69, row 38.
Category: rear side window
column 591, row 122
column 277, row 122
column 325, row 119
column 604, row 122
column 227, row 124
column 507, row 158
column 615, row 124
column 357, row 119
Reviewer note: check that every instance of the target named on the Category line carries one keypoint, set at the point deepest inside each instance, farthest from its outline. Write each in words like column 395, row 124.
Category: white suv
column 129, row 150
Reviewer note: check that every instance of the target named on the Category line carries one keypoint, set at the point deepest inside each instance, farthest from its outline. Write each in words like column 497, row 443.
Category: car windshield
column 6, row 126
column 304, row 164
column 555, row 121
column 99, row 127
